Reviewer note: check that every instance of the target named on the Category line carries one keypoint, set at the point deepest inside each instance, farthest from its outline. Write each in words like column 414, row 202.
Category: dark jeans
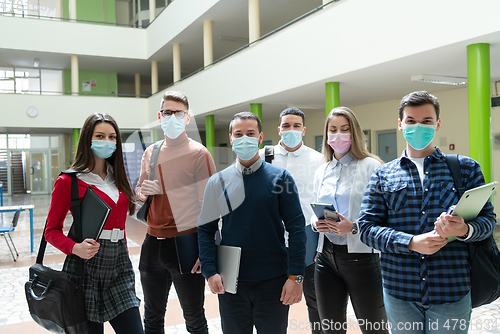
column 127, row 322
column 256, row 303
column 159, row 267
column 340, row 275
column 310, row 296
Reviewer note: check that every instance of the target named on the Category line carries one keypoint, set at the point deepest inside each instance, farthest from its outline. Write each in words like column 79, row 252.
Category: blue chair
column 6, row 231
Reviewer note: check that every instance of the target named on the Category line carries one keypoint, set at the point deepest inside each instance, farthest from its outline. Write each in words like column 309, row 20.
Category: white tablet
column 228, row 266
column 473, row 201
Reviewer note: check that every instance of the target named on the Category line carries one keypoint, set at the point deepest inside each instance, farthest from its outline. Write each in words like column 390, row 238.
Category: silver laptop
column 473, row 201
column 228, row 266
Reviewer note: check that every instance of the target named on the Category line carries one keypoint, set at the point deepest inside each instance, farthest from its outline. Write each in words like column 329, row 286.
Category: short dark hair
column 175, row 96
column 294, row 111
column 245, row 115
column 416, row 99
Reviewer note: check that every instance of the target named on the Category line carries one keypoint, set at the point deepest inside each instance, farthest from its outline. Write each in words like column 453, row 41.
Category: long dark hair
column 85, row 161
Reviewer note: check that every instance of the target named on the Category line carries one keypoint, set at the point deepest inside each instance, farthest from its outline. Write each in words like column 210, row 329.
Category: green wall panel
column 92, row 10
column 106, row 83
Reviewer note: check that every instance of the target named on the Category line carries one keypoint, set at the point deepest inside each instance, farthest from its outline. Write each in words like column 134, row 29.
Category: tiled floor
column 14, row 315
column 15, row 318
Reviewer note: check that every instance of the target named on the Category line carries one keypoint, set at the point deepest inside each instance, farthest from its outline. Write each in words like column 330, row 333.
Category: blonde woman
column 345, row 267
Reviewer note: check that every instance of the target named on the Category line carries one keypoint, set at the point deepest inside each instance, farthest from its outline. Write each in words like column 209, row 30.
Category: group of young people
column 388, row 251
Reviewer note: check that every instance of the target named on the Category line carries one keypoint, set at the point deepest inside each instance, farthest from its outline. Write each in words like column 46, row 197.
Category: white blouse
column 107, row 186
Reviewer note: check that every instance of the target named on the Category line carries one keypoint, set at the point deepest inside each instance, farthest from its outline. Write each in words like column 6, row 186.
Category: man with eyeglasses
column 180, row 176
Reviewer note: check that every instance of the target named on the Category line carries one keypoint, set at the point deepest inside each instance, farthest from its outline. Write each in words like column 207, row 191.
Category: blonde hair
column 358, row 143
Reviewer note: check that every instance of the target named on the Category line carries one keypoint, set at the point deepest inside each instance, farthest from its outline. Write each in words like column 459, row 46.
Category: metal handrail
column 286, row 25
column 68, row 20
column 46, row 92
column 14, row 14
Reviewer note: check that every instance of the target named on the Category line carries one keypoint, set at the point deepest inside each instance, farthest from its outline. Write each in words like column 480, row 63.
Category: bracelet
column 466, row 234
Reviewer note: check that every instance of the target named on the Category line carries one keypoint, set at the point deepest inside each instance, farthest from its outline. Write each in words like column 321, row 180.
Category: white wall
column 101, row 40
column 73, row 38
column 178, row 16
column 70, row 111
column 384, row 116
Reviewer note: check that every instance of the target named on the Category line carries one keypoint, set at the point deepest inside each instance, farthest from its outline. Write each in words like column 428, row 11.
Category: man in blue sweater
column 257, row 202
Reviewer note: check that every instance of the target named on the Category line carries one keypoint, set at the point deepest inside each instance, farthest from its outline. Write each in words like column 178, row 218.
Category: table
column 23, row 208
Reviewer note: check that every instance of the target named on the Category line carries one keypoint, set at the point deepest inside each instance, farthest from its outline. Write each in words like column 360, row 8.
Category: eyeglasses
column 178, row 113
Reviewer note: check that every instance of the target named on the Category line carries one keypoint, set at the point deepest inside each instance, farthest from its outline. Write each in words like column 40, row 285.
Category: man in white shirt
column 301, row 162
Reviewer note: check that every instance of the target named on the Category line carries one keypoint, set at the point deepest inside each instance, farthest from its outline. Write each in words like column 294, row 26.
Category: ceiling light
column 442, row 80
column 36, row 62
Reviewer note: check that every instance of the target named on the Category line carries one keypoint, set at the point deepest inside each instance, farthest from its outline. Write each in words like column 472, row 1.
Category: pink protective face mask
column 339, row 142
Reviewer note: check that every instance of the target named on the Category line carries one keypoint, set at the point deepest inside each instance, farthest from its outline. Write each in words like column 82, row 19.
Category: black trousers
column 257, row 303
column 310, row 296
column 340, row 275
column 127, row 322
column 159, row 268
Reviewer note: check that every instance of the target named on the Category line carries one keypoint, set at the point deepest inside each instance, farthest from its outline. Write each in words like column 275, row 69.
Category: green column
column 210, row 133
column 76, row 137
column 256, row 109
column 332, row 96
column 478, row 78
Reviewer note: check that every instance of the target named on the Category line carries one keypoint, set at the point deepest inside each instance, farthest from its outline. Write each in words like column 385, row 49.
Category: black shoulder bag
column 142, row 214
column 484, row 254
column 55, row 298
column 269, row 153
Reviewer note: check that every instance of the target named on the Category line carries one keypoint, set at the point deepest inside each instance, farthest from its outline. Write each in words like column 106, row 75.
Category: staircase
column 3, row 171
column 18, row 173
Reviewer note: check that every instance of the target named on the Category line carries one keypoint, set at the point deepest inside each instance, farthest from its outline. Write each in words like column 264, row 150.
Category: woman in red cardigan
column 108, row 279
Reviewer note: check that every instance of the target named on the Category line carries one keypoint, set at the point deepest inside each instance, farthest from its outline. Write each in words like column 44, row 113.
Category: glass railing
column 46, row 92
column 46, row 11
column 42, row 17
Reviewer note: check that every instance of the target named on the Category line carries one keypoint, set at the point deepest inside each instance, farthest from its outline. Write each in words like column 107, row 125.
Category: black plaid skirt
column 108, row 281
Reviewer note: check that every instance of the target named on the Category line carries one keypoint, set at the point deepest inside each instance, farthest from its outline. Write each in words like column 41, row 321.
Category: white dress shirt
column 302, row 165
column 361, row 176
column 107, row 186
column 336, row 189
column 252, row 169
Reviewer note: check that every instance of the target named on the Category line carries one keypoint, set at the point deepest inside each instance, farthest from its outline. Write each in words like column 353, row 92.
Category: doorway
column 387, row 145
column 38, row 173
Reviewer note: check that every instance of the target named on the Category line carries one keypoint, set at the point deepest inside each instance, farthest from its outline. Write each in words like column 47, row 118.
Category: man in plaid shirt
column 426, row 279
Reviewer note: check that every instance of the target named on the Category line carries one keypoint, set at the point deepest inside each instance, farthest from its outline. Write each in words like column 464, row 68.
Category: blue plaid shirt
column 395, row 208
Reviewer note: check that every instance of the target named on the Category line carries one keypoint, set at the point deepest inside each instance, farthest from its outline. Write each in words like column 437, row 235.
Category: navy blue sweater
column 255, row 222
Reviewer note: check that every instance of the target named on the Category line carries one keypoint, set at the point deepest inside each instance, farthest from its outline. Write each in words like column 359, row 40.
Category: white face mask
column 291, row 138
column 246, row 147
column 172, row 126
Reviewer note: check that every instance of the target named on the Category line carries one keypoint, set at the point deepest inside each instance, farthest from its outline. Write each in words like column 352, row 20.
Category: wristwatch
column 296, row 278
column 354, row 228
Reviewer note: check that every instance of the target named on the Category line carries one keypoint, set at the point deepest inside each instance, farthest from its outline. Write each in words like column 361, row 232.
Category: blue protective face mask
column 172, row 126
column 103, row 148
column 291, row 138
column 419, row 136
column 245, row 147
